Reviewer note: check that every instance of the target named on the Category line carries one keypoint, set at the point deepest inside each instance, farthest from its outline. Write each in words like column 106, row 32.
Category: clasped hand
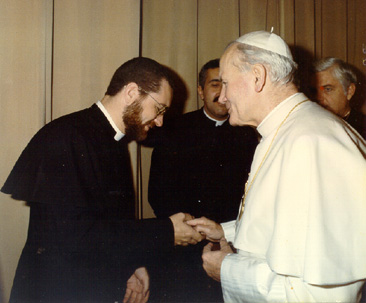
column 184, row 234
column 211, row 257
column 207, row 228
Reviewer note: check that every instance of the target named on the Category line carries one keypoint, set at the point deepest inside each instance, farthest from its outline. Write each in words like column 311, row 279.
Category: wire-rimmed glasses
column 161, row 108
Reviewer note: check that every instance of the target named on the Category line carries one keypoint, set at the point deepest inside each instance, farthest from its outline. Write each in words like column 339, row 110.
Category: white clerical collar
column 119, row 135
column 218, row 123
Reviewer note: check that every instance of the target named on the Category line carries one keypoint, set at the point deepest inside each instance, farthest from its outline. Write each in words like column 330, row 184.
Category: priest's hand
column 208, row 228
column 212, row 258
column 183, row 233
column 138, row 284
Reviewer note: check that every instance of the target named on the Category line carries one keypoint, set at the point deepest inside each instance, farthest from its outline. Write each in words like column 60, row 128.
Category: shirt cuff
column 229, row 230
column 249, row 279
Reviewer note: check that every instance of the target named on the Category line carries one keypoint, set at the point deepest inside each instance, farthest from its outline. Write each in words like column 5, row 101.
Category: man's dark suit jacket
column 200, row 169
column 358, row 121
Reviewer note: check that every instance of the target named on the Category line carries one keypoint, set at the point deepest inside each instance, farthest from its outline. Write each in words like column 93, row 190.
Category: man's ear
column 200, row 92
column 260, row 73
column 351, row 91
column 131, row 93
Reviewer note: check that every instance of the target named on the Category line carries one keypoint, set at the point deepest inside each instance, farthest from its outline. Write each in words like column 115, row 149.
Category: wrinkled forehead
column 228, row 59
column 325, row 77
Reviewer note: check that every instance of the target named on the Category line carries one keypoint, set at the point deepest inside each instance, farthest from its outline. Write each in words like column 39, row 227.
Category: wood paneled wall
column 57, row 56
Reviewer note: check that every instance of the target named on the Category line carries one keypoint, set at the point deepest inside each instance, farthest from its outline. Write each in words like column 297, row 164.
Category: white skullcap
column 267, row 41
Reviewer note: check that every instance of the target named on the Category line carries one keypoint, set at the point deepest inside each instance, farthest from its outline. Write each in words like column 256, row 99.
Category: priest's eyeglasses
column 160, row 108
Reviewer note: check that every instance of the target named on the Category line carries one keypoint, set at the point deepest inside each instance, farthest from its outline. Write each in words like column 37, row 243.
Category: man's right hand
column 183, row 233
column 208, row 228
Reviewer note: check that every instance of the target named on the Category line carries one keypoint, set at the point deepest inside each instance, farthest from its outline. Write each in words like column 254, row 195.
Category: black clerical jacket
column 358, row 121
column 201, row 169
column 83, row 242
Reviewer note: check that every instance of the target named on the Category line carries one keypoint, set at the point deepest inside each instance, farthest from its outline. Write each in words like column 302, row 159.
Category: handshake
column 188, row 230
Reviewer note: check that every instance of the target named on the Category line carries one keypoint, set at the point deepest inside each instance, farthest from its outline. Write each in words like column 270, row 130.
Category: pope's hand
column 137, row 290
column 183, row 233
column 210, row 229
column 212, row 259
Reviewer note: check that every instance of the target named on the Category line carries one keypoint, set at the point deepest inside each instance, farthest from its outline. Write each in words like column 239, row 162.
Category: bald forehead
column 229, row 57
column 229, row 51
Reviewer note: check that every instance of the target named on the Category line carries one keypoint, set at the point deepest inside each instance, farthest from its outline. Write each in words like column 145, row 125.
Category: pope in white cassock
column 300, row 235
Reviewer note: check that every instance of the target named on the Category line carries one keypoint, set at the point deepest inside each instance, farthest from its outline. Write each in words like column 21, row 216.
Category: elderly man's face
column 330, row 93
column 237, row 91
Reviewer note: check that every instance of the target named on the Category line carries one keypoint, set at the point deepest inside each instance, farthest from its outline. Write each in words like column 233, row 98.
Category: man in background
column 200, row 167
column 300, row 233
column 335, row 84
column 75, row 174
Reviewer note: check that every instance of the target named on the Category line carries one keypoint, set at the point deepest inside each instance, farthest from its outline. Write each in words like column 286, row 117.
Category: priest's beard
column 134, row 129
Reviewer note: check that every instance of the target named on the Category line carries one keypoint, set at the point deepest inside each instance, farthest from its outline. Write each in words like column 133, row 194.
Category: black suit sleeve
column 82, row 232
column 89, row 255
column 162, row 195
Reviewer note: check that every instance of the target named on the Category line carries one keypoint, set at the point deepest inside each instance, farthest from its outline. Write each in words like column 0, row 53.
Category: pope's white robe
column 302, row 237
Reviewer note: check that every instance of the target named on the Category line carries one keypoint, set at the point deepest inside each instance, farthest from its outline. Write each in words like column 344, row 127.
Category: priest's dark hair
column 215, row 63
column 145, row 72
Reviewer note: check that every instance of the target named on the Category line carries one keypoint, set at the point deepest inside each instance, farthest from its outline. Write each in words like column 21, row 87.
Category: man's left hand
column 212, row 259
column 138, row 287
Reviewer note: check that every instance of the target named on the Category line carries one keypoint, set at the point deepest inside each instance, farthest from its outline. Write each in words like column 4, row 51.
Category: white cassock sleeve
column 247, row 278
column 240, row 273
column 229, row 230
